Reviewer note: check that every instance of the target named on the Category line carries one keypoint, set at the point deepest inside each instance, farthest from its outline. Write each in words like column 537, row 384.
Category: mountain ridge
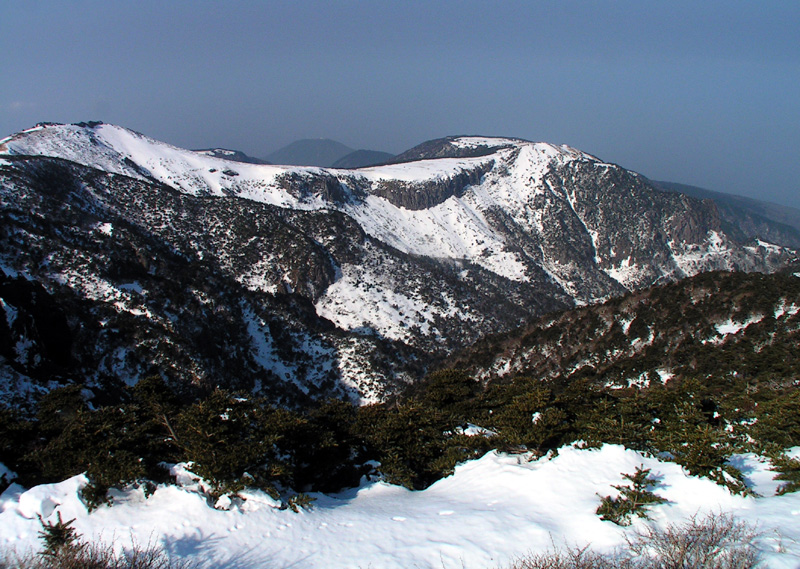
column 377, row 273
column 363, row 158
column 747, row 217
column 234, row 155
column 713, row 323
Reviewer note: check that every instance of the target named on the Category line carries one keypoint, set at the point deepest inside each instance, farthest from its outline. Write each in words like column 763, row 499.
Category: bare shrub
column 713, row 542
column 573, row 558
column 717, row 541
column 95, row 556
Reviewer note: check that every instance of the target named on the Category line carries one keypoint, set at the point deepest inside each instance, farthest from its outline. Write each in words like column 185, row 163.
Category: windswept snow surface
column 489, row 512
column 476, row 141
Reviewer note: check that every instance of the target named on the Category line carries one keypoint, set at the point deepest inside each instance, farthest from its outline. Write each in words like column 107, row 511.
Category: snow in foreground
column 490, row 511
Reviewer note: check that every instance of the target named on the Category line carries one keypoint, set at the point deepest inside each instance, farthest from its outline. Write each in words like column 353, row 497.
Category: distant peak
column 322, row 152
column 460, row 146
column 234, row 155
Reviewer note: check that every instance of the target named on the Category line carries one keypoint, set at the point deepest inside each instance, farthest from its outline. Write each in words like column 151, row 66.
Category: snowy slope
column 489, row 512
column 451, row 231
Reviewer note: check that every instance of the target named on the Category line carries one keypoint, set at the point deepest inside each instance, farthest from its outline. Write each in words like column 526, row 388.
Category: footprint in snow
column 399, row 519
column 446, row 513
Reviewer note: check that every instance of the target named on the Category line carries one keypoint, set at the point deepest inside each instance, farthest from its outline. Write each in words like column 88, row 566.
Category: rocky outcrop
column 424, row 195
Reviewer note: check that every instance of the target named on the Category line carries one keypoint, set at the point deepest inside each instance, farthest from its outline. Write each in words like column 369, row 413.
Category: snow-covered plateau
column 491, row 511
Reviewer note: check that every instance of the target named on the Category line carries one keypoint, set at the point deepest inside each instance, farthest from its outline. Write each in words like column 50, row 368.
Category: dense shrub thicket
column 236, row 441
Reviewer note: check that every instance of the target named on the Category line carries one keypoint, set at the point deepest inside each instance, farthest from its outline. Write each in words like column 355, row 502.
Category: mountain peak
column 461, row 146
column 321, row 152
column 235, row 155
column 457, row 146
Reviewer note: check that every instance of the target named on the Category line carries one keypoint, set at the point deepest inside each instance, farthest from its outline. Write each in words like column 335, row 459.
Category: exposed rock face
column 320, row 187
column 303, row 282
column 429, row 193
column 745, row 218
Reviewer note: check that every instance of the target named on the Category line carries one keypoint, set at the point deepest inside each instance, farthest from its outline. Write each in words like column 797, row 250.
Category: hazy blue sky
column 700, row 92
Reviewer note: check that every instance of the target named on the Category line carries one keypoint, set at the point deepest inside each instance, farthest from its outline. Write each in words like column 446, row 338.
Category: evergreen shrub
column 633, row 499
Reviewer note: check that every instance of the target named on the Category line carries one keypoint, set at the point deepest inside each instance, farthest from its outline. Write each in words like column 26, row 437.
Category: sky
column 705, row 93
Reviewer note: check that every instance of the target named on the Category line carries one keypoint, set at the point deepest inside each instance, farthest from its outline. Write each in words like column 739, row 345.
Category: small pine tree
column 59, row 537
column 634, row 498
column 300, row 501
column 789, row 472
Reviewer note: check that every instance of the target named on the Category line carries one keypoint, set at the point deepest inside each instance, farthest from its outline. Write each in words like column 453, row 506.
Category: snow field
column 394, row 315
column 731, row 327
column 491, row 510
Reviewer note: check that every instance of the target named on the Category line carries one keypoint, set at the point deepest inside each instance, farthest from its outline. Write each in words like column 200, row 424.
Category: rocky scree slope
column 308, row 282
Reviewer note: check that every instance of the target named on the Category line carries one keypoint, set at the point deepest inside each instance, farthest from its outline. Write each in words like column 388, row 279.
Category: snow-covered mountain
column 324, row 280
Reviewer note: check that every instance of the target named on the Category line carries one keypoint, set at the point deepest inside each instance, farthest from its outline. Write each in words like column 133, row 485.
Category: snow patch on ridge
column 626, row 272
column 731, row 327
column 764, row 245
column 11, row 313
column 782, row 309
column 453, row 229
column 476, row 141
